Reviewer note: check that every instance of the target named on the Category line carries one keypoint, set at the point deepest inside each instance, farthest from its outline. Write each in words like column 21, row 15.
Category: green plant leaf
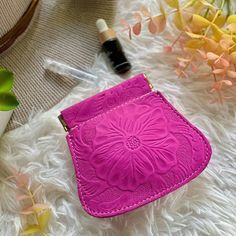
column 194, row 36
column 231, row 19
column 200, row 21
column 30, row 230
column 6, row 80
column 173, row 3
column 8, row 101
column 178, row 20
column 43, row 218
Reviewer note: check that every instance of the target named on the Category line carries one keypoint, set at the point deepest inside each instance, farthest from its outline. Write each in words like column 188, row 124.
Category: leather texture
column 131, row 150
column 106, row 100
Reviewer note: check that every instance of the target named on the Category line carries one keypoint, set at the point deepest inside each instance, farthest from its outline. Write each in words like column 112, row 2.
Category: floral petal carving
column 132, row 144
column 130, row 171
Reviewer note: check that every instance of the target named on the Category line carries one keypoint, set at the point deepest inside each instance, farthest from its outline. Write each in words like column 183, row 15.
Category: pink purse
column 130, row 147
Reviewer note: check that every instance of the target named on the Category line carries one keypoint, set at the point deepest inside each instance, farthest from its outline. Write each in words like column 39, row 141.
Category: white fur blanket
column 205, row 206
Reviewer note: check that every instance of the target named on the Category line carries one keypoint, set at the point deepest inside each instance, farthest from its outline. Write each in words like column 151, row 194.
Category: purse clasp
column 63, row 123
column 150, row 84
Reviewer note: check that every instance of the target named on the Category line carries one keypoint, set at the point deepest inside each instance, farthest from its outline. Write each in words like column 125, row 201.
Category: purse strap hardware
column 146, row 78
column 63, row 123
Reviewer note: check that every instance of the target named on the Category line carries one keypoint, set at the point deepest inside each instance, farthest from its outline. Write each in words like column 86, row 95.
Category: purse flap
column 106, row 100
column 135, row 153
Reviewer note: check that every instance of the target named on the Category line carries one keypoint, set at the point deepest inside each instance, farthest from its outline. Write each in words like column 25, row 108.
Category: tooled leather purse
column 130, row 146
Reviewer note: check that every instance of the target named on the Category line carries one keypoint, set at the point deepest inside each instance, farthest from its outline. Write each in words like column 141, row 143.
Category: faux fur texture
column 205, row 206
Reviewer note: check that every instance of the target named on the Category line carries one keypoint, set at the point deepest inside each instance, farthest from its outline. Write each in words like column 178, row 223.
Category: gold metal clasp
column 150, row 84
column 63, row 123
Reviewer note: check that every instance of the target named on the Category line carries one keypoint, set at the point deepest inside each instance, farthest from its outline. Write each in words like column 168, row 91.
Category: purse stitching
column 156, row 194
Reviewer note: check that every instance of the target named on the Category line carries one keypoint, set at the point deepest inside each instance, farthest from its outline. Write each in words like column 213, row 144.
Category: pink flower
column 225, row 73
column 217, row 86
column 127, row 27
column 168, row 49
column 131, row 145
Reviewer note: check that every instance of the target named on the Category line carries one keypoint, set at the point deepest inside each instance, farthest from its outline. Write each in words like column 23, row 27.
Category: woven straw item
column 60, row 29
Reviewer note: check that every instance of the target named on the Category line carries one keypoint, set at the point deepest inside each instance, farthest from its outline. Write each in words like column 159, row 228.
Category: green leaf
column 178, row 20
column 173, row 3
column 231, row 19
column 43, row 218
column 200, row 21
column 30, row 230
column 194, row 43
column 8, row 101
column 194, row 36
column 6, row 80
column 217, row 32
column 36, row 208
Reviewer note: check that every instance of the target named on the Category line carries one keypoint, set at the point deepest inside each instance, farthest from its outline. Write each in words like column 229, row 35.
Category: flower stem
column 222, row 4
column 212, row 22
column 188, row 63
column 208, row 9
column 228, row 8
column 213, row 74
column 33, row 203
column 177, row 39
column 218, row 92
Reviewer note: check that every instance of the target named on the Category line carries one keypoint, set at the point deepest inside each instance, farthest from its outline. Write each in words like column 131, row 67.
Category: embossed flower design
column 130, row 144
